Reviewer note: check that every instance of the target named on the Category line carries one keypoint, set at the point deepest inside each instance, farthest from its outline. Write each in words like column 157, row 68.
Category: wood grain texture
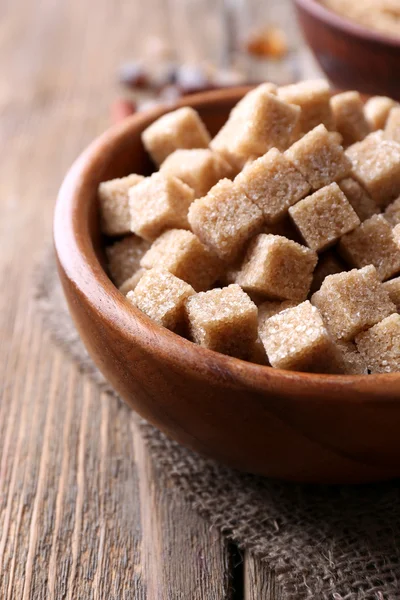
column 71, row 507
column 259, row 582
column 70, row 520
column 172, row 532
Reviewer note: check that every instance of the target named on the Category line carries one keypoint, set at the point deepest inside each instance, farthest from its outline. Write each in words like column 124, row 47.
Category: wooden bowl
column 352, row 56
column 283, row 424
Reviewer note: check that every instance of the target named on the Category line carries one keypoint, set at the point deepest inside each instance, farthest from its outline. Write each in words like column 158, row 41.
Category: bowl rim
column 77, row 259
column 331, row 18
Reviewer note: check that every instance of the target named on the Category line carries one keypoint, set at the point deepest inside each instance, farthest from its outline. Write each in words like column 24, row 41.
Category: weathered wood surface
column 259, row 582
column 82, row 513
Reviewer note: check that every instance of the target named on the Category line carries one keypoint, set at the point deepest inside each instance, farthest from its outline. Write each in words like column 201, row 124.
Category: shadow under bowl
column 294, row 426
column 352, row 56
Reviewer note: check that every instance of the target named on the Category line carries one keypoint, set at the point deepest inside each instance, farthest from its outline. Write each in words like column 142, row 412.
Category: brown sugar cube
column 328, row 264
column 324, row 217
column 396, row 235
column 380, row 346
column 393, row 288
column 158, row 203
column 376, row 166
column 161, row 296
column 350, row 121
column 224, row 320
column 273, row 183
column 251, row 98
column 114, row 204
column 392, row 127
column 377, row 110
column 230, row 273
column 130, row 284
column 353, row 301
column 362, row 203
column 199, row 168
column 225, row 219
column 259, row 123
column 268, row 309
column 284, row 227
column 182, row 253
column 297, row 339
column 372, row 243
column 277, row 268
column 392, row 212
column 319, row 157
column 124, row 257
column 181, row 128
column 352, row 361
column 313, row 98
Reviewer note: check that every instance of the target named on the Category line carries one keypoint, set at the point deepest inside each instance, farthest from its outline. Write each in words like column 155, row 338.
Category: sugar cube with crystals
column 380, row 345
column 114, row 204
column 130, row 284
column 352, row 302
column 350, row 121
column 284, row 227
column 319, row 157
column 328, row 264
column 124, row 257
column 225, row 219
column 268, row 309
column 158, row 203
column 372, row 243
column 396, row 235
column 377, row 110
column 392, row 128
column 297, row 339
column 273, row 183
column 199, row 168
column 352, row 361
column 393, row 288
column 259, row 122
column 161, row 296
column 181, row 128
column 277, row 268
column 376, row 166
column 182, row 253
column 324, row 217
column 362, row 203
column 313, row 98
column 392, row 212
column 224, row 320
column 250, row 99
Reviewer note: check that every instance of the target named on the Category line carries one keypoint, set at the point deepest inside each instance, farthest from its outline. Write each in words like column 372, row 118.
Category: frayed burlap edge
column 325, row 543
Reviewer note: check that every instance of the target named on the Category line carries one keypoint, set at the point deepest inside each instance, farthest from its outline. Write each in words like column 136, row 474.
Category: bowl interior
column 80, row 249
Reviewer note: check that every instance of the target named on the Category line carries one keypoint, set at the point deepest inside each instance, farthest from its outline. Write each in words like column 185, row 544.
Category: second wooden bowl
column 294, row 426
column 352, row 56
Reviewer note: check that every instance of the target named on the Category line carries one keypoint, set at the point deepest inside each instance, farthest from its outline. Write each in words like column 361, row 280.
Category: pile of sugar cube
column 277, row 241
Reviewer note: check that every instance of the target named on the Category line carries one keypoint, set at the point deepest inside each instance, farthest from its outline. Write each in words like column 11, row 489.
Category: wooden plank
column 71, row 525
column 70, row 520
column 259, row 581
column 69, row 499
column 182, row 557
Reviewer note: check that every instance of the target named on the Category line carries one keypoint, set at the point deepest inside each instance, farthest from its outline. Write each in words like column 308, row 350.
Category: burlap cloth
column 336, row 543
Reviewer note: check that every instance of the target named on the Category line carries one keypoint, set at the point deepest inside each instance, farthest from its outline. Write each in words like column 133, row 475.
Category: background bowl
column 352, row 56
column 294, row 426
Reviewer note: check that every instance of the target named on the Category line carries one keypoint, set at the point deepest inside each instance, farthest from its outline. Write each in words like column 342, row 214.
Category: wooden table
column 82, row 512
